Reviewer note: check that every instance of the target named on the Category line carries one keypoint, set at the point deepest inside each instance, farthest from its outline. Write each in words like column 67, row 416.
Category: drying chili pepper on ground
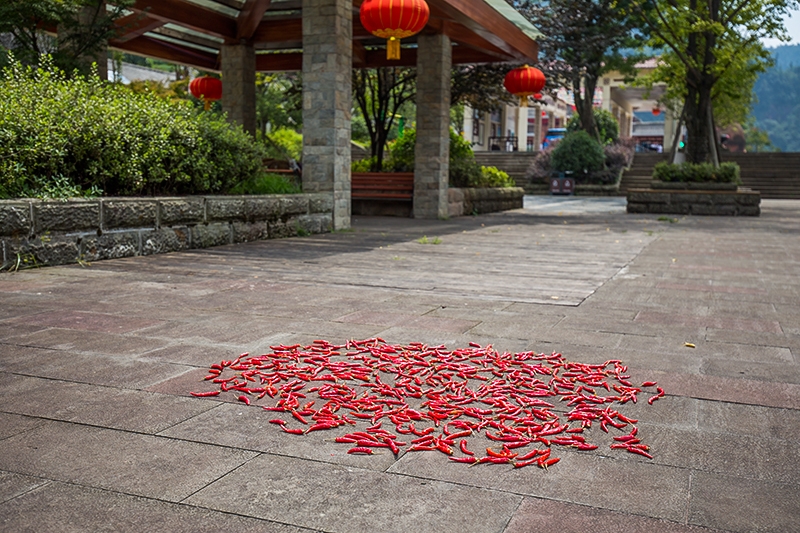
column 439, row 397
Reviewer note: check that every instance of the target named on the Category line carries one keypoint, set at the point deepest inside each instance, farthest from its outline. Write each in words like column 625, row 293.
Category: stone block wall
column 37, row 232
column 468, row 201
column 694, row 202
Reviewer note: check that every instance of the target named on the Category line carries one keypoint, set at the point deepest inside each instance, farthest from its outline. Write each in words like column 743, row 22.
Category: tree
column 84, row 27
column 279, row 101
column 712, row 56
column 480, row 86
column 380, row 95
column 583, row 40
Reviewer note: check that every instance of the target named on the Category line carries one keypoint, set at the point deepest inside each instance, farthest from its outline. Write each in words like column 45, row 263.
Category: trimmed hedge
column 694, row 172
column 92, row 136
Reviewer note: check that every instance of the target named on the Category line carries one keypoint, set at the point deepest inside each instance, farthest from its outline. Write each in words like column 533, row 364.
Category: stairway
column 514, row 163
column 640, row 174
column 775, row 175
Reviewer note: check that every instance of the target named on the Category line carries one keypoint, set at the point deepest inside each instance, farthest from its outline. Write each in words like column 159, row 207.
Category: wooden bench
column 398, row 186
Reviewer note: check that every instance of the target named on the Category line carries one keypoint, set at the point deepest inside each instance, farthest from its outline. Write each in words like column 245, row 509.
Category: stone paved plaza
column 99, row 432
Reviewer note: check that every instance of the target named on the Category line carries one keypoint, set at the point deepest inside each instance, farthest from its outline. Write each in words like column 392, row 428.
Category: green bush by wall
column 91, row 136
column 578, row 153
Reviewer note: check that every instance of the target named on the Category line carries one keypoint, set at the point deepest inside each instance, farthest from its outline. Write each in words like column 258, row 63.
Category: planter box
column 693, row 186
column 686, row 201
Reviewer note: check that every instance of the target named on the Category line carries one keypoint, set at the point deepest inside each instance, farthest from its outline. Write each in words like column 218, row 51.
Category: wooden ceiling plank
column 135, row 25
column 485, row 21
column 250, row 17
column 152, row 47
column 278, row 31
column 279, row 62
column 188, row 15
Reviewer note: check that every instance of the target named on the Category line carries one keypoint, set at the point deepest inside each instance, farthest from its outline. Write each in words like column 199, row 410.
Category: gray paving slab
column 75, row 509
column 337, row 498
column 133, row 463
column 96, row 366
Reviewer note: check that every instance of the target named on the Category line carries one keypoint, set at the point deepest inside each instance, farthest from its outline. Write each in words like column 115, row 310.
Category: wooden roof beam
column 152, row 47
column 489, row 24
column 250, row 18
column 134, row 26
column 188, row 15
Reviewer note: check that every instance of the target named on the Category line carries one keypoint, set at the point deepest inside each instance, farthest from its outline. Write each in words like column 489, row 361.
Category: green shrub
column 694, row 172
column 267, row 184
column 607, row 125
column 284, row 143
column 494, row 177
column 577, row 153
column 464, row 171
column 95, row 136
column 366, row 165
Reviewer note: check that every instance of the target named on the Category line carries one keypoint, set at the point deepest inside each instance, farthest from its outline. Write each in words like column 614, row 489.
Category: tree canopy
column 712, row 54
column 84, row 28
column 583, row 39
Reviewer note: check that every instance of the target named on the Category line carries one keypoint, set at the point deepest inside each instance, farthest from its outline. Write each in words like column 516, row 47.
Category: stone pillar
column 537, row 129
column 522, row 129
column 327, row 99
column 239, row 85
column 432, row 150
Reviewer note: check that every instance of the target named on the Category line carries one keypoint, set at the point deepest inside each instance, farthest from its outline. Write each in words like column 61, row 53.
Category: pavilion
column 325, row 39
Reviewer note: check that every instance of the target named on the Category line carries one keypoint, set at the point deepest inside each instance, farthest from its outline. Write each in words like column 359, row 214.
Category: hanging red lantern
column 524, row 81
column 537, row 96
column 207, row 89
column 394, row 20
column 656, row 111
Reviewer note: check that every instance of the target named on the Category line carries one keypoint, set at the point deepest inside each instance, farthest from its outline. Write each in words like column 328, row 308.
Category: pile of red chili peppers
column 434, row 399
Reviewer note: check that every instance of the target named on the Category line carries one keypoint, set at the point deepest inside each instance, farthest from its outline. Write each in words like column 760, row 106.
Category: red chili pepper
column 360, row 449
column 205, row 394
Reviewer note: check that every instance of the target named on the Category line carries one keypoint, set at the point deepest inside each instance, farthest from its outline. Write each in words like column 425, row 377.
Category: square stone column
column 522, row 129
column 239, row 85
column 327, row 100
column 432, row 150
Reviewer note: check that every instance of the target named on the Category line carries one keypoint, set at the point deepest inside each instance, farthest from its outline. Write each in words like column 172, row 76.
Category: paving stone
column 247, row 427
column 11, row 424
column 143, row 465
column 751, row 420
column 13, row 485
column 743, row 505
column 129, row 410
column 74, row 509
column 745, row 456
column 83, row 321
column 347, row 499
column 102, row 370
column 618, row 483
column 569, row 518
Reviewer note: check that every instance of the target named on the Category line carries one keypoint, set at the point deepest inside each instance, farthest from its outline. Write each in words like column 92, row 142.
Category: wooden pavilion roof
column 191, row 32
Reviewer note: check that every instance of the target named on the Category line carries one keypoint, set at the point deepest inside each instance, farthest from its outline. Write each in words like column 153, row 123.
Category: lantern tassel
column 523, row 101
column 393, row 48
column 206, row 104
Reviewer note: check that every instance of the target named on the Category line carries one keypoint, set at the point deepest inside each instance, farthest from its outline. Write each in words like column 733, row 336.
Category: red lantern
column 394, row 20
column 656, row 111
column 524, row 81
column 537, row 96
column 207, row 89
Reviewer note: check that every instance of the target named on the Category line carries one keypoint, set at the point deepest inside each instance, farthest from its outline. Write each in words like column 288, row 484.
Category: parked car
column 553, row 136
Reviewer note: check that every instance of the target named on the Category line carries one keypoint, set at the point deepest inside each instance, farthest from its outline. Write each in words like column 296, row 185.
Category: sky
column 793, row 26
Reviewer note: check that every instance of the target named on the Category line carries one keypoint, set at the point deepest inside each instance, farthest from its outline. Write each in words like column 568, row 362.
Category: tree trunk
column 698, row 109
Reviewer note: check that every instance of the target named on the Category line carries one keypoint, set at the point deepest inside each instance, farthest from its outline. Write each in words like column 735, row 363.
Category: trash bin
column 562, row 183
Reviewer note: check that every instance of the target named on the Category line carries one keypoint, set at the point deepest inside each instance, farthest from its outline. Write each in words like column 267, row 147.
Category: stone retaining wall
column 38, row 232
column 742, row 202
column 468, row 201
